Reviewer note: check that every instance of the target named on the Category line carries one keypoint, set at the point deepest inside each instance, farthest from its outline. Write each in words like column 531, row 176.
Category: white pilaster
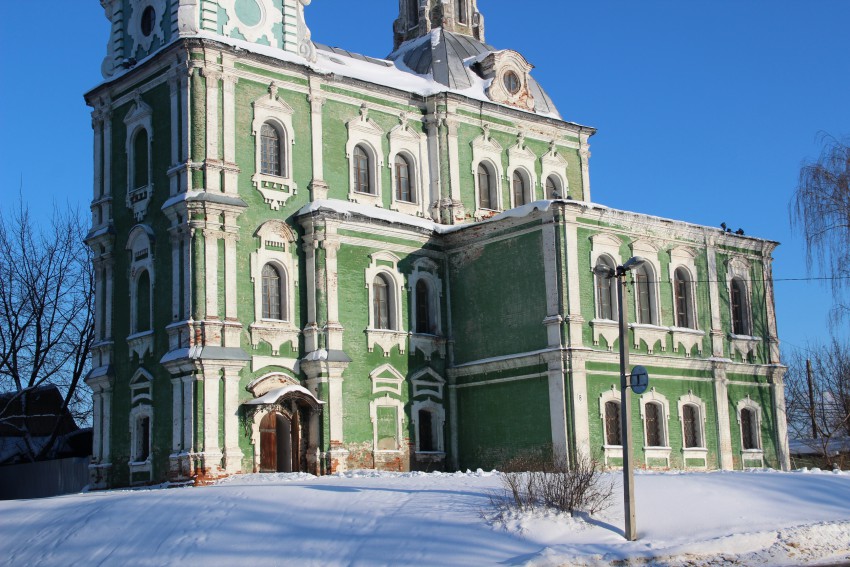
column 188, row 413
column 584, row 154
column 97, row 429
column 176, row 415
column 558, row 410
column 174, row 99
column 212, row 178
column 106, row 454
column 318, row 187
column 232, row 452
column 230, row 278
column 231, row 175
column 724, row 432
column 714, row 298
column 211, row 273
column 777, row 390
column 212, row 451
column 331, row 246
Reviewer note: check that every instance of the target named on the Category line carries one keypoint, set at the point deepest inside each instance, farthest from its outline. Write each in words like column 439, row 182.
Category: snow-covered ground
column 369, row 518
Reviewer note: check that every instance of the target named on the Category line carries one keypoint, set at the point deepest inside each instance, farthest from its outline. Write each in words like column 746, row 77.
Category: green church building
column 312, row 260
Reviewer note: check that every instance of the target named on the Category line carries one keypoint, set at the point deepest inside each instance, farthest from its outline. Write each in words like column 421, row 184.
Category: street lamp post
column 619, row 273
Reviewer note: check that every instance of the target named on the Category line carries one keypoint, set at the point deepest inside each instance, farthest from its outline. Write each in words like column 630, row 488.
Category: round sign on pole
column 639, row 380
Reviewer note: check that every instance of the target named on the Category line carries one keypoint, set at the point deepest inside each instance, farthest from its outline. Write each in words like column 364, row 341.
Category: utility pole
column 626, row 416
column 811, row 398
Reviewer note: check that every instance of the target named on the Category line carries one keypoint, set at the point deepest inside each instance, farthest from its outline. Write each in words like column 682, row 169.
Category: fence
column 45, row 478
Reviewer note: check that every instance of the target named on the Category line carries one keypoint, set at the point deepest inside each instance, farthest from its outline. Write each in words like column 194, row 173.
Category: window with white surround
column 426, row 290
column 429, row 420
column 692, row 418
column 683, row 277
column 606, row 291
column 655, row 413
column 387, row 415
column 410, row 180
column 365, row 153
column 142, row 284
column 274, row 273
column 487, row 174
column 749, row 422
column 384, row 286
column 647, row 327
column 139, row 145
column 741, row 339
column 522, row 164
column 554, row 171
column 605, row 251
column 141, row 425
column 609, row 413
column 274, row 138
column 738, row 301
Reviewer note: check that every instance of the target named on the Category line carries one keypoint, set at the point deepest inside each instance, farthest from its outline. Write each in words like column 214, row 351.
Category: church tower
column 417, row 18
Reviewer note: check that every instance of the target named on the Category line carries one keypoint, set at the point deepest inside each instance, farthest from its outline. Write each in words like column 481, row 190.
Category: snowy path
column 416, row 519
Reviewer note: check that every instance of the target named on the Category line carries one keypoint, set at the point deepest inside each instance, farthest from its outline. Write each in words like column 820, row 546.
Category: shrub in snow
column 530, row 482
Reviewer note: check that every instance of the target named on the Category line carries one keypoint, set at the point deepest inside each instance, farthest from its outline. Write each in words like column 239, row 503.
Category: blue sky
column 705, row 110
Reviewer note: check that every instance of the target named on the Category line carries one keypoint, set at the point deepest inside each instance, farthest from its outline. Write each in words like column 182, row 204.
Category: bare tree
column 46, row 320
column 819, row 411
column 820, row 209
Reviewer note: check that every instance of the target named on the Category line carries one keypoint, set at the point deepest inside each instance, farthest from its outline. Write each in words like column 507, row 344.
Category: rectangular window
column 691, row 426
column 681, row 303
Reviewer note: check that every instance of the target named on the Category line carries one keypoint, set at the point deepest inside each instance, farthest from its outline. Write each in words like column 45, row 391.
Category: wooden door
column 268, row 443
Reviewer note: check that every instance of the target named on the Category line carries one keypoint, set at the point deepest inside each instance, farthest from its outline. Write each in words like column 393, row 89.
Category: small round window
column 148, row 21
column 511, row 82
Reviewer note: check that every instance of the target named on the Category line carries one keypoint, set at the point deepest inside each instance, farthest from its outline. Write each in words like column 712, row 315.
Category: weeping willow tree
column 820, row 210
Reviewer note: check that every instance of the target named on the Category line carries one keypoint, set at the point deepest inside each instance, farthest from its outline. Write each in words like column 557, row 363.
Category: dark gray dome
column 446, row 57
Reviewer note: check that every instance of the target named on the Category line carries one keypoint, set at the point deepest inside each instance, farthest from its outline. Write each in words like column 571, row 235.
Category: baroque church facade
column 312, row 260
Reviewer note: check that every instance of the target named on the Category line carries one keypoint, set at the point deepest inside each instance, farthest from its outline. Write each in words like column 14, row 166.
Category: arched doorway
column 283, row 445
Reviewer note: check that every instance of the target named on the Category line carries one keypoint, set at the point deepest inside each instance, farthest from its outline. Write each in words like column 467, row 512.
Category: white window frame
column 553, row 164
column 140, row 246
column 750, row 454
column 387, row 401
column 656, row 451
column 610, row 451
column 486, row 149
column 522, row 159
column 396, row 336
column 413, row 146
column 685, row 338
column 426, row 382
column 425, row 269
column 139, row 118
column 438, row 420
column 603, row 244
column 272, row 110
column 278, row 247
column 746, row 344
column 365, row 132
column 700, row 452
column 652, row 333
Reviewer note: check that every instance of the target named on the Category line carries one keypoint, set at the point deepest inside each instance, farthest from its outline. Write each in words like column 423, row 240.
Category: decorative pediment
column 139, row 113
column 486, row 143
column 386, row 378
column 276, row 234
column 272, row 104
column 365, row 127
column 265, row 384
column 427, row 382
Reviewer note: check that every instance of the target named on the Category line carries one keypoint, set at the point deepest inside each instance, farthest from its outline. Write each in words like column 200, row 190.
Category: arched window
column 427, row 431
column 381, row 303
column 423, row 308
column 644, row 297
column 403, row 179
column 486, row 182
column 553, row 188
column 738, row 299
column 362, row 171
column 690, row 426
column 606, row 291
column 612, row 423
column 684, row 303
column 271, row 162
column 140, row 159
column 749, row 429
column 273, row 283
column 654, row 414
column 462, row 11
column 518, row 187
column 143, row 302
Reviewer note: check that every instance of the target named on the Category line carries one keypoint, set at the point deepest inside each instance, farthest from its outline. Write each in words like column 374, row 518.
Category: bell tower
column 417, row 18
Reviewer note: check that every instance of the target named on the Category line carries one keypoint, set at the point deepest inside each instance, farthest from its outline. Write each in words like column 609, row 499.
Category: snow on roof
column 274, row 395
column 337, row 61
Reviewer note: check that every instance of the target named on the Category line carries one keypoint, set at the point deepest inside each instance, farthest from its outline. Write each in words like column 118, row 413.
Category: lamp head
column 634, row 262
column 603, row 271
